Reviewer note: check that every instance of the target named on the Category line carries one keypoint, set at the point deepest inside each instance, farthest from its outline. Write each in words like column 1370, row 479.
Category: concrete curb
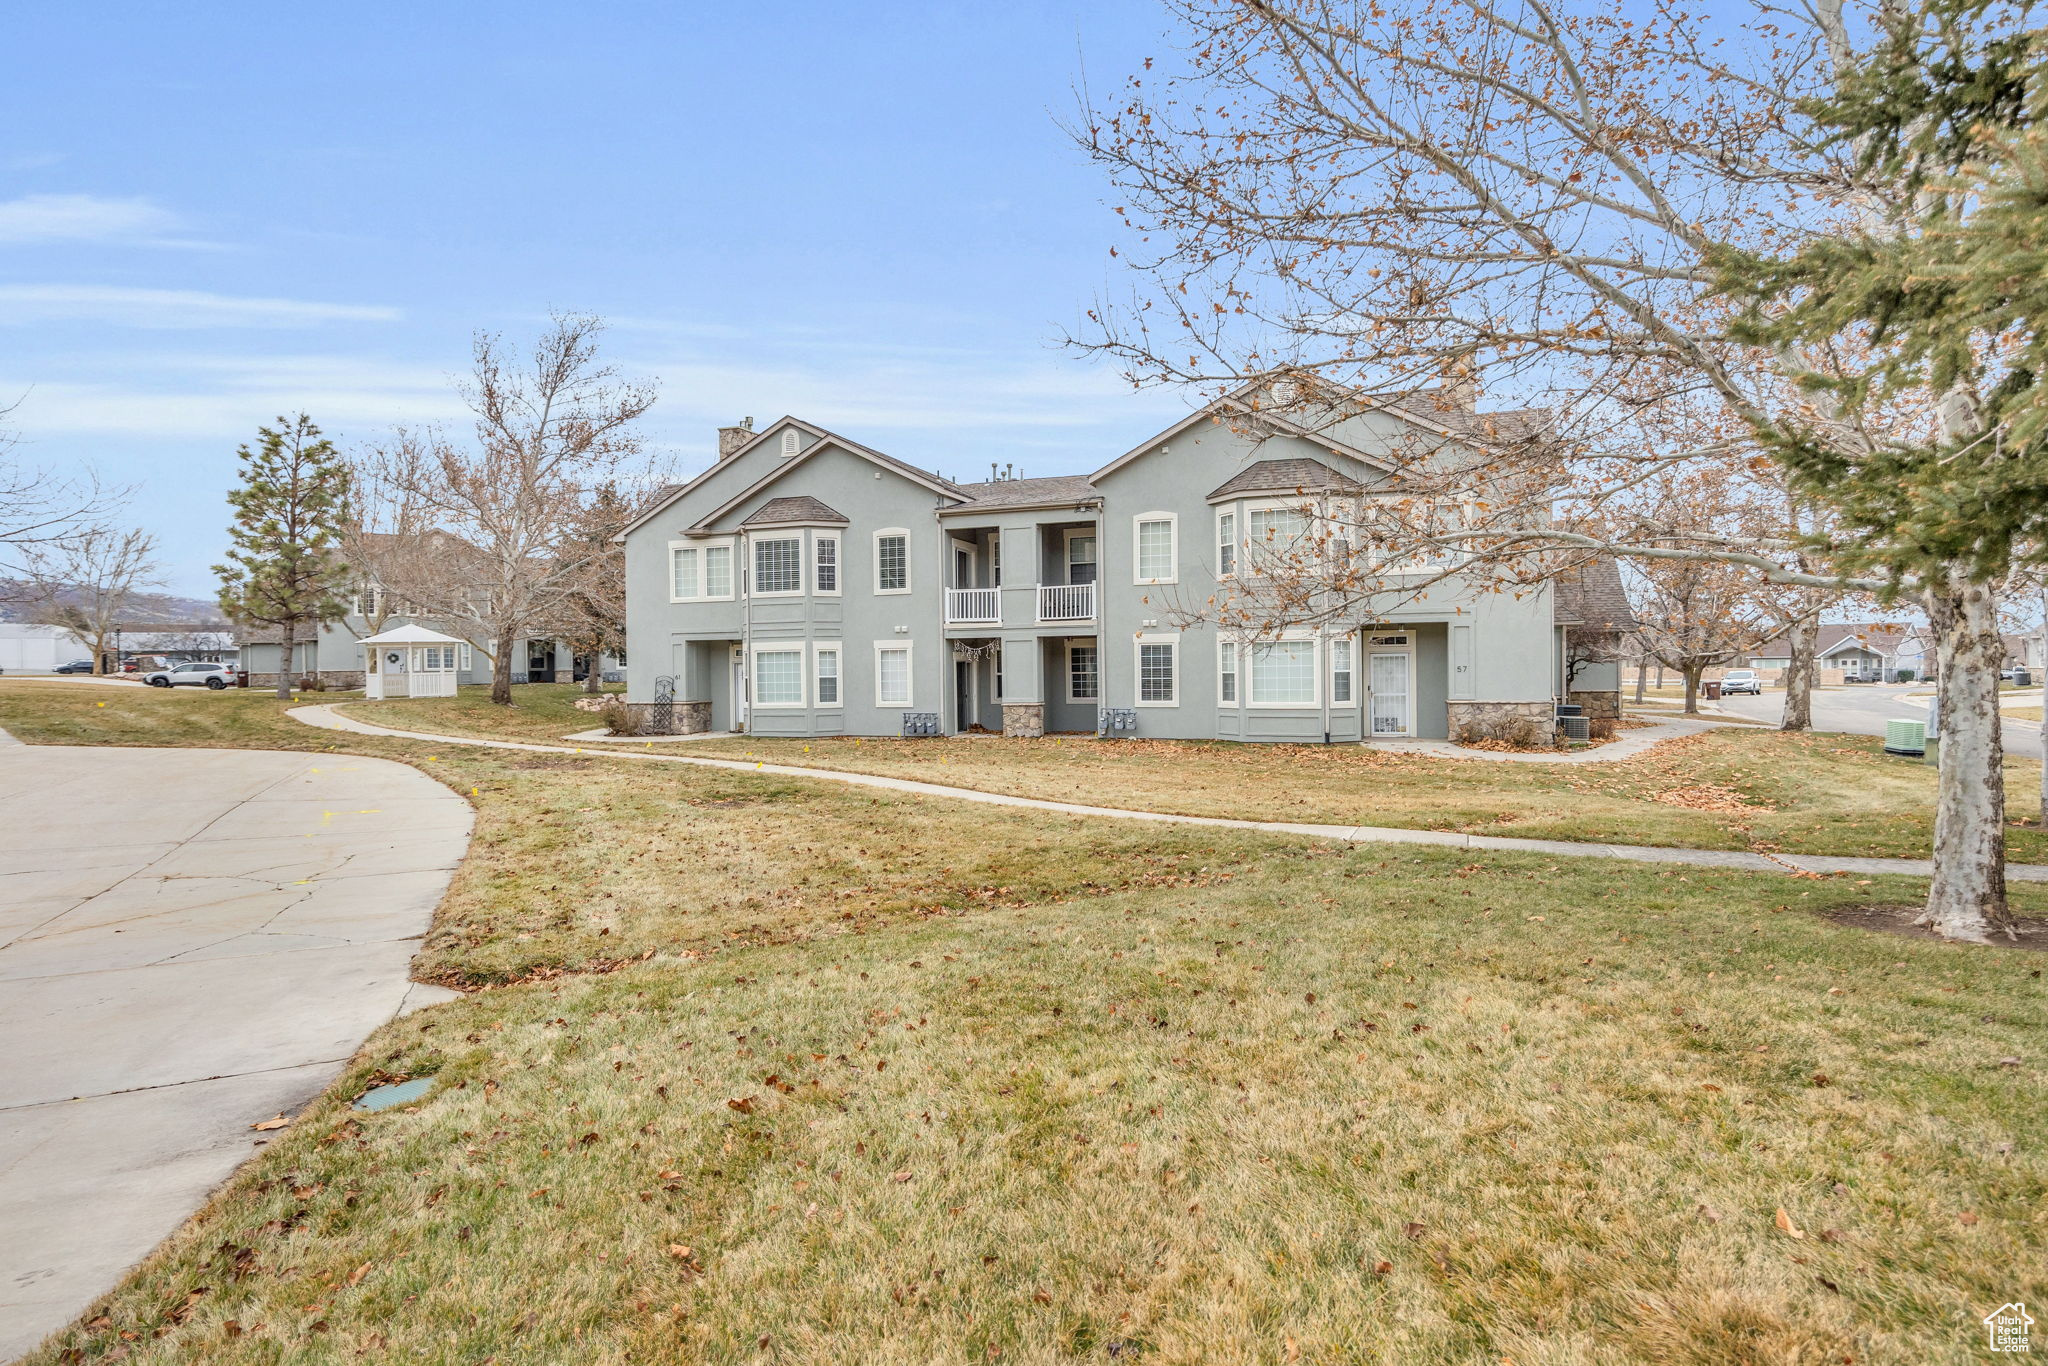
column 326, row 718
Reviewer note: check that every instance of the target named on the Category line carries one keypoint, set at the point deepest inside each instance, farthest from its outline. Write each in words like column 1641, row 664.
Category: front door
column 1081, row 559
column 540, row 662
column 963, row 693
column 1388, row 693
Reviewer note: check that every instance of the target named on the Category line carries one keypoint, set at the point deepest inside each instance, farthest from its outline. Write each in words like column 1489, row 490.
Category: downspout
column 1322, row 662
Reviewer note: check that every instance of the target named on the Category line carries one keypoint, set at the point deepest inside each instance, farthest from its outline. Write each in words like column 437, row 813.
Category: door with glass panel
column 1388, row 695
column 1081, row 559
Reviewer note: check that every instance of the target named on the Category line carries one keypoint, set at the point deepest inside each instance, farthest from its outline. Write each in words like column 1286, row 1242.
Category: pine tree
column 290, row 508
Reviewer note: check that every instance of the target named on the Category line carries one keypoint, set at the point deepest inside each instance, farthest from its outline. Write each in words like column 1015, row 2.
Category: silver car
column 1742, row 680
column 196, row 673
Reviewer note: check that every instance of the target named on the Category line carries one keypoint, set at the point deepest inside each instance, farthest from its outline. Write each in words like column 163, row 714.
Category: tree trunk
column 287, row 657
column 592, row 675
column 2041, row 663
column 1966, row 899
column 501, row 670
column 1692, row 688
column 1805, row 638
column 1643, row 681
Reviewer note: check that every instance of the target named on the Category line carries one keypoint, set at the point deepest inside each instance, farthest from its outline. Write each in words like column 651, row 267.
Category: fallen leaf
column 1785, row 1224
column 1968, row 1216
column 275, row 1122
column 356, row 1277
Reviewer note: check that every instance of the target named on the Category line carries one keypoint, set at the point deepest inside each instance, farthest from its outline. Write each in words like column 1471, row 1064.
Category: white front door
column 1388, row 693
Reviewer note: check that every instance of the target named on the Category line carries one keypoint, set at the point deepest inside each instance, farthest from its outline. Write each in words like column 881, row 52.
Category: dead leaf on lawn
column 274, row 1122
column 1785, row 1224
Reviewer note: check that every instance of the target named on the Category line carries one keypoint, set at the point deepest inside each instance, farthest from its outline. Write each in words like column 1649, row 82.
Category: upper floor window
column 1081, row 557
column 699, row 572
column 1155, row 550
column 789, row 441
column 825, row 563
column 892, row 561
column 1226, row 544
column 779, row 565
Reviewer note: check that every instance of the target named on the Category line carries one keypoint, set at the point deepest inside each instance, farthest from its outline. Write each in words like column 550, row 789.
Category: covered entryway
column 409, row 661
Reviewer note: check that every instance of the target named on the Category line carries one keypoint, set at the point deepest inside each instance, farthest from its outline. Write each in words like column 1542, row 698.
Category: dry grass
column 1807, row 794
column 1182, row 1096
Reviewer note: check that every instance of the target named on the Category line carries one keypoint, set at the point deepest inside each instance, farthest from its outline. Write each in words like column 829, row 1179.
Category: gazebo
column 409, row 661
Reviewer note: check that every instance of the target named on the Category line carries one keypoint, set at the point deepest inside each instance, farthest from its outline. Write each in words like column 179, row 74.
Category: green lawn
column 1727, row 789
column 793, row 1072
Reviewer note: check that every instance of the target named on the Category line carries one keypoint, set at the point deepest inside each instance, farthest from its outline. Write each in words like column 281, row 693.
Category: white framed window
column 778, row 675
column 825, row 565
column 827, row 672
column 1155, row 538
column 1343, row 688
column 1226, row 672
column 464, row 657
column 1084, row 672
column 789, row 442
column 1158, row 661
column 1276, row 536
column 778, row 566
column 892, row 674
column 892, row 560
column 1281, row 673
column 699, row 572
column 1226, row 543
column 995, row 560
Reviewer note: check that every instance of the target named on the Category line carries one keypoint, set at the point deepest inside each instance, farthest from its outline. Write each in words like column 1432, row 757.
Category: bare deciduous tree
column 548, row 427
column 87, row 581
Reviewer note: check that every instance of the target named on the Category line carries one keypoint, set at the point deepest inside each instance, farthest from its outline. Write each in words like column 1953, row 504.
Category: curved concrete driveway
column 191, row 941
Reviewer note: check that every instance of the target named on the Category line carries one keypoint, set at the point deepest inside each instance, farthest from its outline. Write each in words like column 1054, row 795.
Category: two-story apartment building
column 809, row 585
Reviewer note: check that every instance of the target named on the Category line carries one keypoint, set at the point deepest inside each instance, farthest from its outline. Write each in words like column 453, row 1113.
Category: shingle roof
column 1591, row 595
column 1053, row 488
column 801, row 509
column 1284, row 476
column 1879, row 637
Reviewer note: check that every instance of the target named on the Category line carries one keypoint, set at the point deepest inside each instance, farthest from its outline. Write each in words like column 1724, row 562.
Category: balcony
column 1066, row 602
column 973, row 607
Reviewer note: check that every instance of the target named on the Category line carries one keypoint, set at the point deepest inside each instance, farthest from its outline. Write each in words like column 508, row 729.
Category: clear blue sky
column 863, row 213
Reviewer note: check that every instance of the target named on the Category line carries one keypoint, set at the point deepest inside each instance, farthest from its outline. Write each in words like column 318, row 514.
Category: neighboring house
column 1865, row 651
column 333, row 653
column 809, row 585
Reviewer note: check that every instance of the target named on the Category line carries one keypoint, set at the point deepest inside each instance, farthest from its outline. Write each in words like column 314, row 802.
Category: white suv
column 1741, row 680
column 196, row 673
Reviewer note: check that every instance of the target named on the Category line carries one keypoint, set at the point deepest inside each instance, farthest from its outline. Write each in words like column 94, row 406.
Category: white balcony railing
column 973, row 606
column 1066, row 602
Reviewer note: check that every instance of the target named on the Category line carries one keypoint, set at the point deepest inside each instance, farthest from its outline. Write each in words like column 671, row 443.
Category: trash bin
column 2022, row 678
column 1713, row 690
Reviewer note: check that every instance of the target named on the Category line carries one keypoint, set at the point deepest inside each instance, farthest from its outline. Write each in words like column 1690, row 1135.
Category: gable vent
column 789, row 440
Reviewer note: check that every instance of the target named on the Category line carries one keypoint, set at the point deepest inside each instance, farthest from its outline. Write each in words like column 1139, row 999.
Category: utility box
column 1905, row 737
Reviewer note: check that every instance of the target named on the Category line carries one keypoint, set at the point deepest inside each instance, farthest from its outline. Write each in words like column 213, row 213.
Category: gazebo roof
column 410, row 635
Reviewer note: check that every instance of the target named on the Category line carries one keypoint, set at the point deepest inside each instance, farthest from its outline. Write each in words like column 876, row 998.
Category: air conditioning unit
column 1576, row 727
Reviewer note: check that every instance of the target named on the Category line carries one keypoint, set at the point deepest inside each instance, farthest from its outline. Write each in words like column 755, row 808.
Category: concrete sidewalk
column 328, row 718
column 191, row 941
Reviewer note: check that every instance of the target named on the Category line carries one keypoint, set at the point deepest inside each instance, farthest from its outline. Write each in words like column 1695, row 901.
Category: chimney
column 731, row 439
column 1461, row 386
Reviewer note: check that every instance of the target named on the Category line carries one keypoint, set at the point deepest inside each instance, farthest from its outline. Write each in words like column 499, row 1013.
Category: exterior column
column 1023, row 698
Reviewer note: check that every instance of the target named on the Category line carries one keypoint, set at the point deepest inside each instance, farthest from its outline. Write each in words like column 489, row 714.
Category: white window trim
column 1172, row 521
column 955, row 545
column 1246, row 687
column 464, row 655
column 703, row 577
column 828, row 648
column 1138, row 645
column 1084, row 643
column 753, row 567
column 909, row 703
column 1067, row 539
column 777, row 647
column 1329, row 667
column 876, row 562
column 1231, row 644
column 838, row 564
column 1236, row 538
column 1247, row 546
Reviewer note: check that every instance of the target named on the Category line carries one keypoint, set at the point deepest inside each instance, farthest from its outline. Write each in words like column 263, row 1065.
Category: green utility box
column 1905, row 737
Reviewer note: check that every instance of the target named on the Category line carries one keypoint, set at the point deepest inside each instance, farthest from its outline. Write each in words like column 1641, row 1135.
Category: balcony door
column 1080, row 557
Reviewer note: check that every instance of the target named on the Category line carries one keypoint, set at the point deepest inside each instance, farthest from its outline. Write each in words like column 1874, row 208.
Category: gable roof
column 1591, row 595
column 1284, row 476
column 1878, row 637
column 943, row 487
column 803, row 509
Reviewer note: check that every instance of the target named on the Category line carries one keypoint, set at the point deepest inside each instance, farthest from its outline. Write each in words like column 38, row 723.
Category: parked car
column 76, row 666
column 1742, row 680
column 197, row 673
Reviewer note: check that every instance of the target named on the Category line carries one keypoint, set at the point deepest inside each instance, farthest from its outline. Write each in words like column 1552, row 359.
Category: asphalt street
column 1863, row 709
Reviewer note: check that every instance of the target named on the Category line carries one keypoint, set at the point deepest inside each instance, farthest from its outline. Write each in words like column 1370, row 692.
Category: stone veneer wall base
column 1532, row 724
column 1025, row 720
column 691, row 718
